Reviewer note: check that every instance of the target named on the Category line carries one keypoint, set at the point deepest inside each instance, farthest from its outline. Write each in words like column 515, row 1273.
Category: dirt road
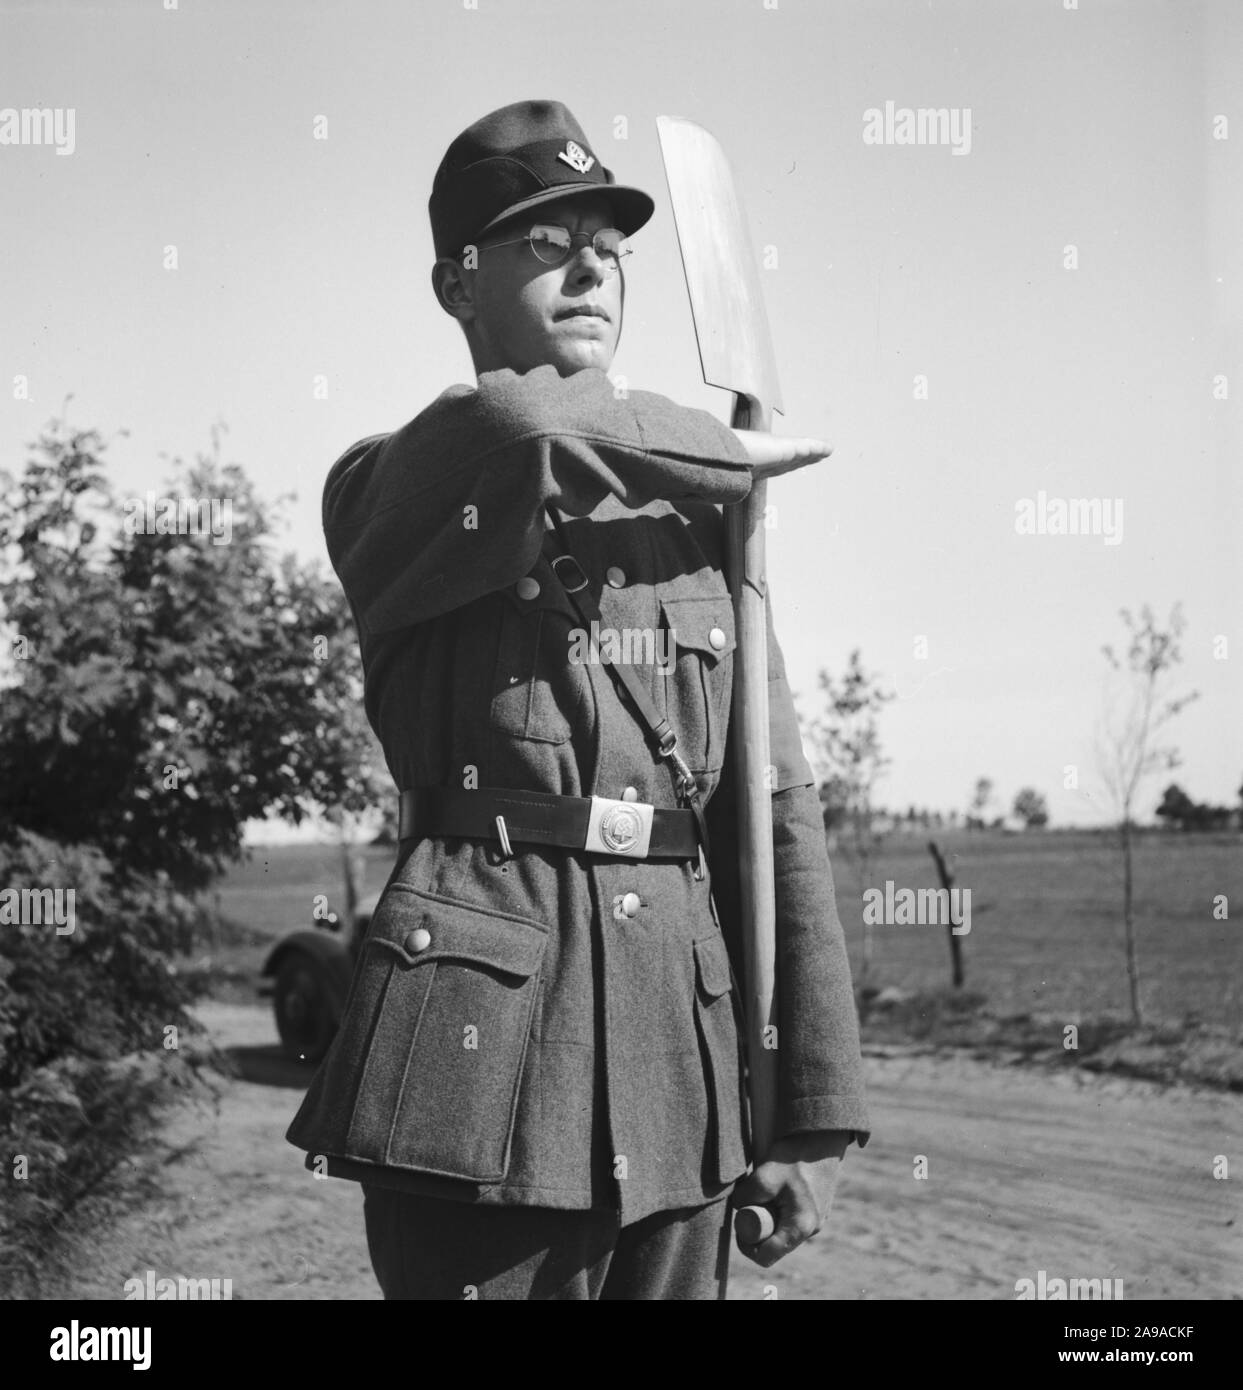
column 1082, row 1177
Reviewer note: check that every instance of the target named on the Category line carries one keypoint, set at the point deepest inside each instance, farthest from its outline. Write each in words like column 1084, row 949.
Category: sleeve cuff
column 812, row 1113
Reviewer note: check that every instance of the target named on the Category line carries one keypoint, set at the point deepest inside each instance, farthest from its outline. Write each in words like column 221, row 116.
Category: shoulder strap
column 573, row 579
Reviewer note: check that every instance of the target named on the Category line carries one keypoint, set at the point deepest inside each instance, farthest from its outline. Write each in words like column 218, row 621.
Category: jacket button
column 631, row 904
column 717, row 638
column 418, row 940
column 615, row 576
column 630, row 794
column 527, row 587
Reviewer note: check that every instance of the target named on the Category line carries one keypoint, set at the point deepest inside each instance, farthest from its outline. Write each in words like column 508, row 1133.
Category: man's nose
column 586, row 268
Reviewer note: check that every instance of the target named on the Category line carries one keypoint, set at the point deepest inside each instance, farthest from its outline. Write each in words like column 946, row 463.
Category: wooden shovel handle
column 745, row 552
column 753, row 1224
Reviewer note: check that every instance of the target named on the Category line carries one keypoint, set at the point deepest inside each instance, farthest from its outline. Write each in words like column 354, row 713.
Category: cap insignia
column 576, row 157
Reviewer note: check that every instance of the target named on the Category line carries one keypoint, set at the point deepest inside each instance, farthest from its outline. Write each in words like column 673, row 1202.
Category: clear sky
column 1091, row 128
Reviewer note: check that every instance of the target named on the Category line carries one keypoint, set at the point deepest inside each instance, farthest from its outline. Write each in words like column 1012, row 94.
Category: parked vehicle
column 308, row 975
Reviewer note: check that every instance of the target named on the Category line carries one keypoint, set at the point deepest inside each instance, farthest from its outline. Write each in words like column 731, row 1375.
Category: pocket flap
column 420, row 929
column 712, row 962
column 705, row 625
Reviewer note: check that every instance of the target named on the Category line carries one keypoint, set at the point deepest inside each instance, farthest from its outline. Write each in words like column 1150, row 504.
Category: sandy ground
column 1080, row 1176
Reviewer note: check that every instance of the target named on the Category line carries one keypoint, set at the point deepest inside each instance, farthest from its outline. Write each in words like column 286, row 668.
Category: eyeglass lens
column 553, row 244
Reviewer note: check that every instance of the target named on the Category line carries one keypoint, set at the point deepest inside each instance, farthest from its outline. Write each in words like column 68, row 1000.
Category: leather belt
column 628, row 829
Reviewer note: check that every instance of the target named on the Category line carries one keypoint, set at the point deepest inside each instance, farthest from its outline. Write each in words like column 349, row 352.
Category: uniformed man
column 537, row 1079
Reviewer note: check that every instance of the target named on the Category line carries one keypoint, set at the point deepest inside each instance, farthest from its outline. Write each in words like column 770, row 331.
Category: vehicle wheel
column 303, row 1015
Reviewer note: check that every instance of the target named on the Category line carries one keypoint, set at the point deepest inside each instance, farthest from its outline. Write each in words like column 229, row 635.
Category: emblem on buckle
column 619, row 827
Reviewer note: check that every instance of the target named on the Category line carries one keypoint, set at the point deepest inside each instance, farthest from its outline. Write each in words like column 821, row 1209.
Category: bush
column 74, row 1131
column 86, row 1057
column 103, row 989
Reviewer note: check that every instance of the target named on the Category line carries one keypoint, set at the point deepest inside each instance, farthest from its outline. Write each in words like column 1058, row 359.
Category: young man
column 538, row 1078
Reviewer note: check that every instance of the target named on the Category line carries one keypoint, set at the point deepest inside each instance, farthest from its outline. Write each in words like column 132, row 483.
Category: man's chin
column 578, row 357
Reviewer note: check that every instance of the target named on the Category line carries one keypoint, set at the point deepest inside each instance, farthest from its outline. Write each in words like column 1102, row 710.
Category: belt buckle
column 619, row 827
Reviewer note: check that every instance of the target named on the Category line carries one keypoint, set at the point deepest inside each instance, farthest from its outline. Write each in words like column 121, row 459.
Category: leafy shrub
column 84, row 1055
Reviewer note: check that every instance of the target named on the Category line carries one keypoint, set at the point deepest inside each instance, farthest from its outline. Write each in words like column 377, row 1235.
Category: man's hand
column 772, row 454
column 798, row 1181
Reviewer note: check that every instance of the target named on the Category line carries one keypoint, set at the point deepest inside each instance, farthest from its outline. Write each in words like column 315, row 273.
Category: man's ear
column 453, row 286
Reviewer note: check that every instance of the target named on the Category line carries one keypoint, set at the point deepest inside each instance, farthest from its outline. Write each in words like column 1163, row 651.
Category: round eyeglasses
column 554, row 245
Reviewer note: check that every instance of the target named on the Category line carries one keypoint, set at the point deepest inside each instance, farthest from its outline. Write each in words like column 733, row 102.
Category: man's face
column 526, row 314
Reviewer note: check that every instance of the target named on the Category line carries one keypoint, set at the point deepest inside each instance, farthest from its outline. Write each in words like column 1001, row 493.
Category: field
column 1046, row 926
column 1046, row 930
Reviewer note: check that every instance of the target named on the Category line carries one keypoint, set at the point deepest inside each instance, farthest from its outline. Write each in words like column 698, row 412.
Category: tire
column 304, row 1016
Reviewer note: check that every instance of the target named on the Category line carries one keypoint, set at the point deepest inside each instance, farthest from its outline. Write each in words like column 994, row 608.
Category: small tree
column 834, row 803
column 1136, row 709
column 980, row 802
column 1031, row 808
column 847, row 758
column 1176, row 807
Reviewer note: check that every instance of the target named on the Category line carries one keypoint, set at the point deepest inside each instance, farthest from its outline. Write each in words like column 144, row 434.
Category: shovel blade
column 722, row 275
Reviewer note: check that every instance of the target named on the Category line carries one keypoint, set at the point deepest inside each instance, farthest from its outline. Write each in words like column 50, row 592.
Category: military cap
column 513, row 160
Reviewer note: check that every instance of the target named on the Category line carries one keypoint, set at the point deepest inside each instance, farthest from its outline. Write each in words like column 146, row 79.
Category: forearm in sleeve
column 450, row 507
column 820, row 1073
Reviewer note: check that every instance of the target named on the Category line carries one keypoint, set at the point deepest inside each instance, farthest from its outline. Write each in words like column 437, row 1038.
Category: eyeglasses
column 554, row 245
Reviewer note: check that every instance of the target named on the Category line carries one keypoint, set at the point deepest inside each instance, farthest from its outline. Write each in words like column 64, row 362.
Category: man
column 537, row 1079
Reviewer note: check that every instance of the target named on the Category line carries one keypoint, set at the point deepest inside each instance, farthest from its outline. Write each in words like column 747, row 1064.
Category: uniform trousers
column 430, row 1248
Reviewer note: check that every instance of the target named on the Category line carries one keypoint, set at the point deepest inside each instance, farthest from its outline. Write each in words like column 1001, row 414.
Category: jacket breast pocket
column 698, row 682
column 439, row 1085
column 536, row 689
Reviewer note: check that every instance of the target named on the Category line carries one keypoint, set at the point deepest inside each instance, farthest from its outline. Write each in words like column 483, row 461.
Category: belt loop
column 504, row 834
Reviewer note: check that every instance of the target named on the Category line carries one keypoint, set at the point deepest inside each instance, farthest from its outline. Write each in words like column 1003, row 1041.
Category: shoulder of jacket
column 370, row 442
column 358, row 449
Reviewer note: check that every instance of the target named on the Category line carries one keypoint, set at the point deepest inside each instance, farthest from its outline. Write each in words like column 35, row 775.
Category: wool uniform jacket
column 567, row 1034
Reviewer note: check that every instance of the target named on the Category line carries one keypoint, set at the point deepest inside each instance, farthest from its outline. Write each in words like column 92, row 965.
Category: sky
column 1053, row 306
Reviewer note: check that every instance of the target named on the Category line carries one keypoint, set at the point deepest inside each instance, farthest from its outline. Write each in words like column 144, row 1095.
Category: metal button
column 631, row 904
column 717, row 638
column 527, row 587
column 418, row 940
column 630, row 794
column 615, row 576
